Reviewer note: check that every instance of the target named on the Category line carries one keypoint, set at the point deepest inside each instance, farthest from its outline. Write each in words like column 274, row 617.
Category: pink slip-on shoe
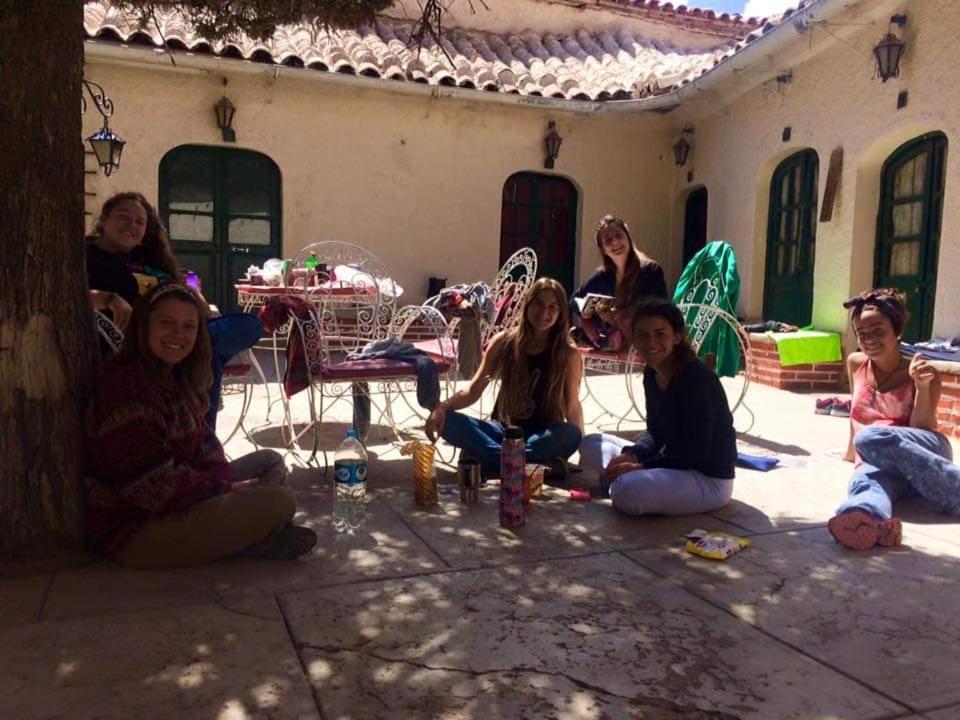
column 824, row 405
column 841, row 408
column 860, row 530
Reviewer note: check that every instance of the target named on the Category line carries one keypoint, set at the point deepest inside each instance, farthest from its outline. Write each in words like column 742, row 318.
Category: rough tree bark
column 47, row 348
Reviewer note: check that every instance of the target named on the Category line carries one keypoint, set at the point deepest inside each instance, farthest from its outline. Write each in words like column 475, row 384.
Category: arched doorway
column 222, row 209
column 540, row 211
column 908, row 227
column 791, row 240
column 694, row 224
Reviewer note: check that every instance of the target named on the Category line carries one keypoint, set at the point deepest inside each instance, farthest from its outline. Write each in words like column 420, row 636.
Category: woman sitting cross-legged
column 893, row 420
column 539, row 371
column 161, row 493
column 684, row 462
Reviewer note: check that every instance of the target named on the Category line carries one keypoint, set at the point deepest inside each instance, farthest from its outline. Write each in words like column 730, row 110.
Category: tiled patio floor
column 583, row 613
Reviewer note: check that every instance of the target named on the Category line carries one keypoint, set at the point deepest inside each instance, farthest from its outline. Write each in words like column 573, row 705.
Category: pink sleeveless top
column 872, row 407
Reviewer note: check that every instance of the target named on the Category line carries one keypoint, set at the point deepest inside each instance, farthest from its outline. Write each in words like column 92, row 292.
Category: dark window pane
column 248, row 181
column 190, row 182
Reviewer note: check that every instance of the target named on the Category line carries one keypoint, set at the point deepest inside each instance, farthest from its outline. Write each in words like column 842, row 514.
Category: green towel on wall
column 711, row 278
column 806, row 347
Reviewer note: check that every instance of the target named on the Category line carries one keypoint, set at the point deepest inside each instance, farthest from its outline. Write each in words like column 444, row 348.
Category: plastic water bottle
column 350, row 484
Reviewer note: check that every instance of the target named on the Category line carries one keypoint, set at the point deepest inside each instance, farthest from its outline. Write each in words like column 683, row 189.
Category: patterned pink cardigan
column 148, row 455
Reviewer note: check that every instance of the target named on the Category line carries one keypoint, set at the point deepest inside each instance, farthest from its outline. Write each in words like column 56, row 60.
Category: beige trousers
column 221, row 526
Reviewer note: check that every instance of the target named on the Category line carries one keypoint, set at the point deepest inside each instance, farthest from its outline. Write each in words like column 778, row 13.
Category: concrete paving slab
column 471, row 536
column 583, row 638
column 21, row 598
column 919, row 517
column 106, row 588
column 785, row 498
column 885, row 616
column 385, row 547
column 949, row 713
column 209, row 662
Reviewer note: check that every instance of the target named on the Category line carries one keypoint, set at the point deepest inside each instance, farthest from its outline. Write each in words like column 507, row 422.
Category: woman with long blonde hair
column 539, row 370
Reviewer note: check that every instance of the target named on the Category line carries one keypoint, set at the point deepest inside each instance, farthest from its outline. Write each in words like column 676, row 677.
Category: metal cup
column 468, row 478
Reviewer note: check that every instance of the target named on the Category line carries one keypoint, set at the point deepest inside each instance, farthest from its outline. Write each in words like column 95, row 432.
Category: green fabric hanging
column 711, row 278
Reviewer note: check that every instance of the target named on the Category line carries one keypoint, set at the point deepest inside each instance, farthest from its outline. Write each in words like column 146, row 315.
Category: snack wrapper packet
column 714, row 545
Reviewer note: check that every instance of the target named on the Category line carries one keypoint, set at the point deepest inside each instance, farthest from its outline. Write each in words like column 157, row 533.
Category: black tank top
column 532, row 418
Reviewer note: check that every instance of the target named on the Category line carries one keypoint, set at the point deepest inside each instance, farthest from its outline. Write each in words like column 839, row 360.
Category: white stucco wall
column 416, row 180
column 833, row 100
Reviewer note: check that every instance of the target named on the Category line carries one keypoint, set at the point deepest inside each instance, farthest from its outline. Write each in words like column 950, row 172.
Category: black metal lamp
column 889, row 51
column 552, row 143
column 107, row 146
column 681, row 149
column 225, row 111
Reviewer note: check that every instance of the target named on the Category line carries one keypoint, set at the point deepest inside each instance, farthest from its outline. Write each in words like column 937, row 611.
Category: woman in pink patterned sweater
column 161, row 493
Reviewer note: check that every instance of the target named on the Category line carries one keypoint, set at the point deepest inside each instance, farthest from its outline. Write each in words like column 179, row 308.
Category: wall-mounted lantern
column 681, row 149
column 889, row 50
column 225, row 111
column 107, row 146
column 552, row 143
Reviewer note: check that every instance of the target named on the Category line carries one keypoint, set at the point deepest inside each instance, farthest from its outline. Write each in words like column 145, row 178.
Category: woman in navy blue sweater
column 684, row 462
column 627, row 275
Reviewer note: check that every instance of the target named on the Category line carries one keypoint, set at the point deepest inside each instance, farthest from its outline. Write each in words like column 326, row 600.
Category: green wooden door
column 540, row 212
column 222, row 209
column 791, row 240
column 908, row 227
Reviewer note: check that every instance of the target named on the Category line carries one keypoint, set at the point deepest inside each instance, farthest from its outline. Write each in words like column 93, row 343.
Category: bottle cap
column 352, row 432
column 513, row 433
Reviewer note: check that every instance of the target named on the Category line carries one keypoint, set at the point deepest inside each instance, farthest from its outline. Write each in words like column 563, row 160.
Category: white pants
column 657, row 491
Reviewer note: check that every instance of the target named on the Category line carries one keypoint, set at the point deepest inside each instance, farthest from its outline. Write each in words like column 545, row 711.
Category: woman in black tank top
column 539, row 370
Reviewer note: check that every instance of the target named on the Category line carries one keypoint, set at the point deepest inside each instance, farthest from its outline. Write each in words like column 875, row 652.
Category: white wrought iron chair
column 351, row 301
column 111, row 335
column 511, row 283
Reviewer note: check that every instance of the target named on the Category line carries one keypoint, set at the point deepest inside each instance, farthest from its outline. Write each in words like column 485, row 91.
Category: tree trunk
column 47, row 343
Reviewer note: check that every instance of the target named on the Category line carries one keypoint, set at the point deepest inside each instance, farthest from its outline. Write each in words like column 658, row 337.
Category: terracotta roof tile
column 581, row 65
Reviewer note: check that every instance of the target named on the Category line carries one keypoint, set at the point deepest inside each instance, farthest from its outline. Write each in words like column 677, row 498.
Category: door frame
column 223, row 256
column 808, row 201
column 935, row 145
column 535, row 220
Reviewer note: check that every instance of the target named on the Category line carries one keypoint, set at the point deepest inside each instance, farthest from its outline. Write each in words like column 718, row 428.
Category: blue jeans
column 902, row 462
column 482, row 439
column 229, row 334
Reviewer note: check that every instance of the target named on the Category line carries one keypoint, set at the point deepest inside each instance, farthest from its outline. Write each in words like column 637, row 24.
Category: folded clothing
column 756, row 462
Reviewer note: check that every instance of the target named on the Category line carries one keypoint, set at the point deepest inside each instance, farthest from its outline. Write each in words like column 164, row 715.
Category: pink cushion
column 433, row 348
column 593, row 352
column 502, row 307
column 237, row 369
column 372, row 369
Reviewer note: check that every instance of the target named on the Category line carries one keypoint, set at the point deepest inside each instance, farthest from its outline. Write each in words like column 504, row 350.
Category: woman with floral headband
column 160, row 492
column 893, row 439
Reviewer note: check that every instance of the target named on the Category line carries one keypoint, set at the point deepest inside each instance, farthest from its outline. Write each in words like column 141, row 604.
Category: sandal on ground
column 890, row 533
column 286, row 543
column 860, row 530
